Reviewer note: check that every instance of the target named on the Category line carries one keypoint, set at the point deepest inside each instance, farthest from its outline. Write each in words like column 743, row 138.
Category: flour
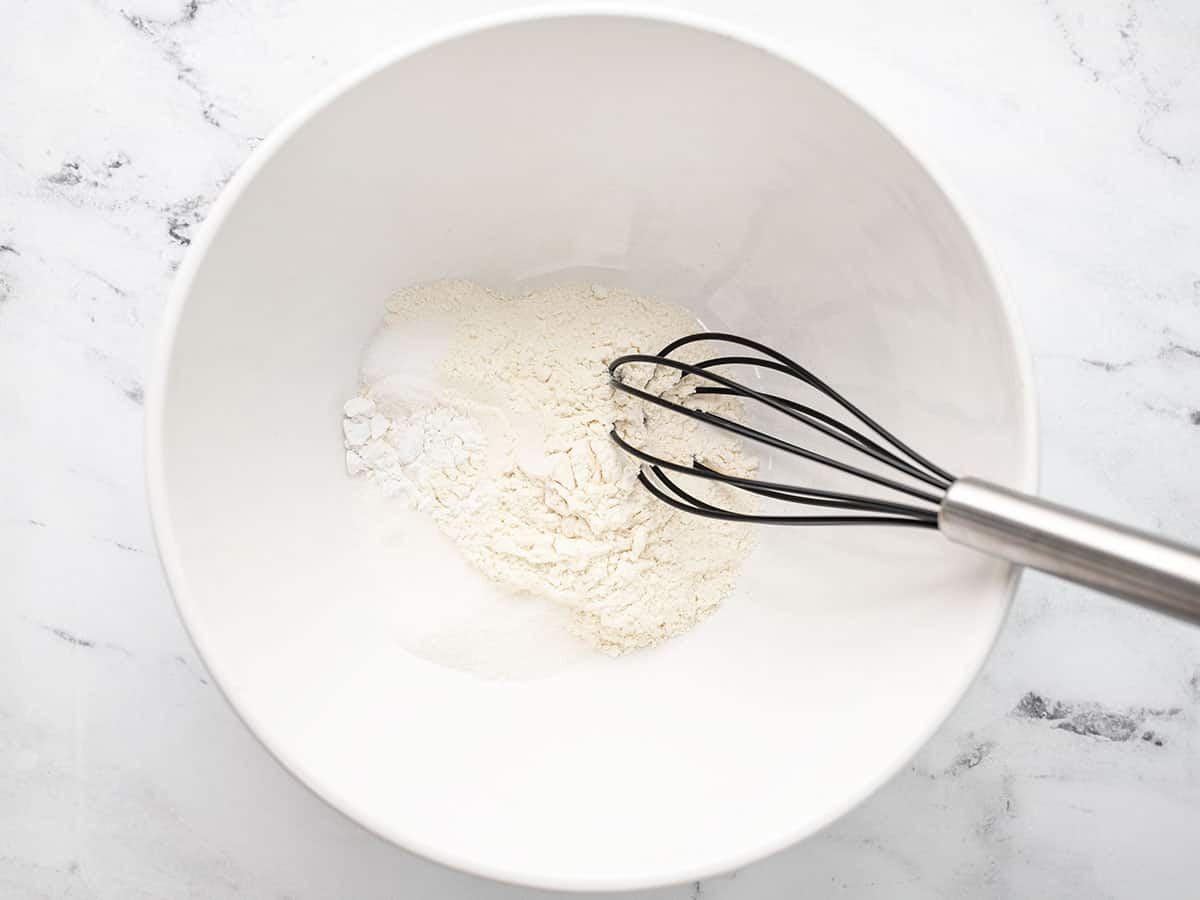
column 507, row 448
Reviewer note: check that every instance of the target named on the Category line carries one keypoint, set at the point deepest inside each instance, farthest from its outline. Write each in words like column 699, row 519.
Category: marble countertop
column 1072, row 130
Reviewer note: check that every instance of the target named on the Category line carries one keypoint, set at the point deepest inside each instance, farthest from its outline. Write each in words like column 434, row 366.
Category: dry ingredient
column 506, row 446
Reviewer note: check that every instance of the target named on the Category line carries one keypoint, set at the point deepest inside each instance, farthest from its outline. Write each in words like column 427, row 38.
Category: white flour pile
column 505, row 444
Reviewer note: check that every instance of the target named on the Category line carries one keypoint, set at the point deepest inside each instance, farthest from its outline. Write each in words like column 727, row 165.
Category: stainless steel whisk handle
column 1137, row 566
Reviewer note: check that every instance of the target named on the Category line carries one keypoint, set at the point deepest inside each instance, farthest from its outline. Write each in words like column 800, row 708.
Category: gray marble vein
column 1069, row 127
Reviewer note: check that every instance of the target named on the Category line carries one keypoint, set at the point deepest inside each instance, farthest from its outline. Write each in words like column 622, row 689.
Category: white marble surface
column 1071, row 128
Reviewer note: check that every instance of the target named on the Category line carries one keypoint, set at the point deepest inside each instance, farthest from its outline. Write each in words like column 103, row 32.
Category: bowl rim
column 163, row 349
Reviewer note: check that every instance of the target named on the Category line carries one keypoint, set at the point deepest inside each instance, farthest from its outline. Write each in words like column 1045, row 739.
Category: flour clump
column 504, row 442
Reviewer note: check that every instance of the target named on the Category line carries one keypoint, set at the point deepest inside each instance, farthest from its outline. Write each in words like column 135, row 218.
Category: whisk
column 1018, row 527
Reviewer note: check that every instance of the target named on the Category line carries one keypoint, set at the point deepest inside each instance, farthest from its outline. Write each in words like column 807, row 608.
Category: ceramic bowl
column 692, row 165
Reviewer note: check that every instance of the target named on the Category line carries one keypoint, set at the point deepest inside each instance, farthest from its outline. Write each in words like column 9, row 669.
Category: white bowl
column 696, row 167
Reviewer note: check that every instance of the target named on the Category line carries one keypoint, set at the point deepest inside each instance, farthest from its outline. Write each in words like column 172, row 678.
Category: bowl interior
column 684, row 164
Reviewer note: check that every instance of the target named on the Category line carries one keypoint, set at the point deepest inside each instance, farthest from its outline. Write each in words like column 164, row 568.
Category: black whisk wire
column 789, row 492
column 813, row 381
column 840, row 432
column 692, row 504
column 875, row 511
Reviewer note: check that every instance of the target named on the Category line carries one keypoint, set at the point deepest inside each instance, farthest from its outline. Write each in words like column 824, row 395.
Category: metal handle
column 1137, row 566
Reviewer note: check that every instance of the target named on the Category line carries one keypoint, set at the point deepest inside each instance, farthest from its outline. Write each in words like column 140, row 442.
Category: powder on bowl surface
column 504, row 443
